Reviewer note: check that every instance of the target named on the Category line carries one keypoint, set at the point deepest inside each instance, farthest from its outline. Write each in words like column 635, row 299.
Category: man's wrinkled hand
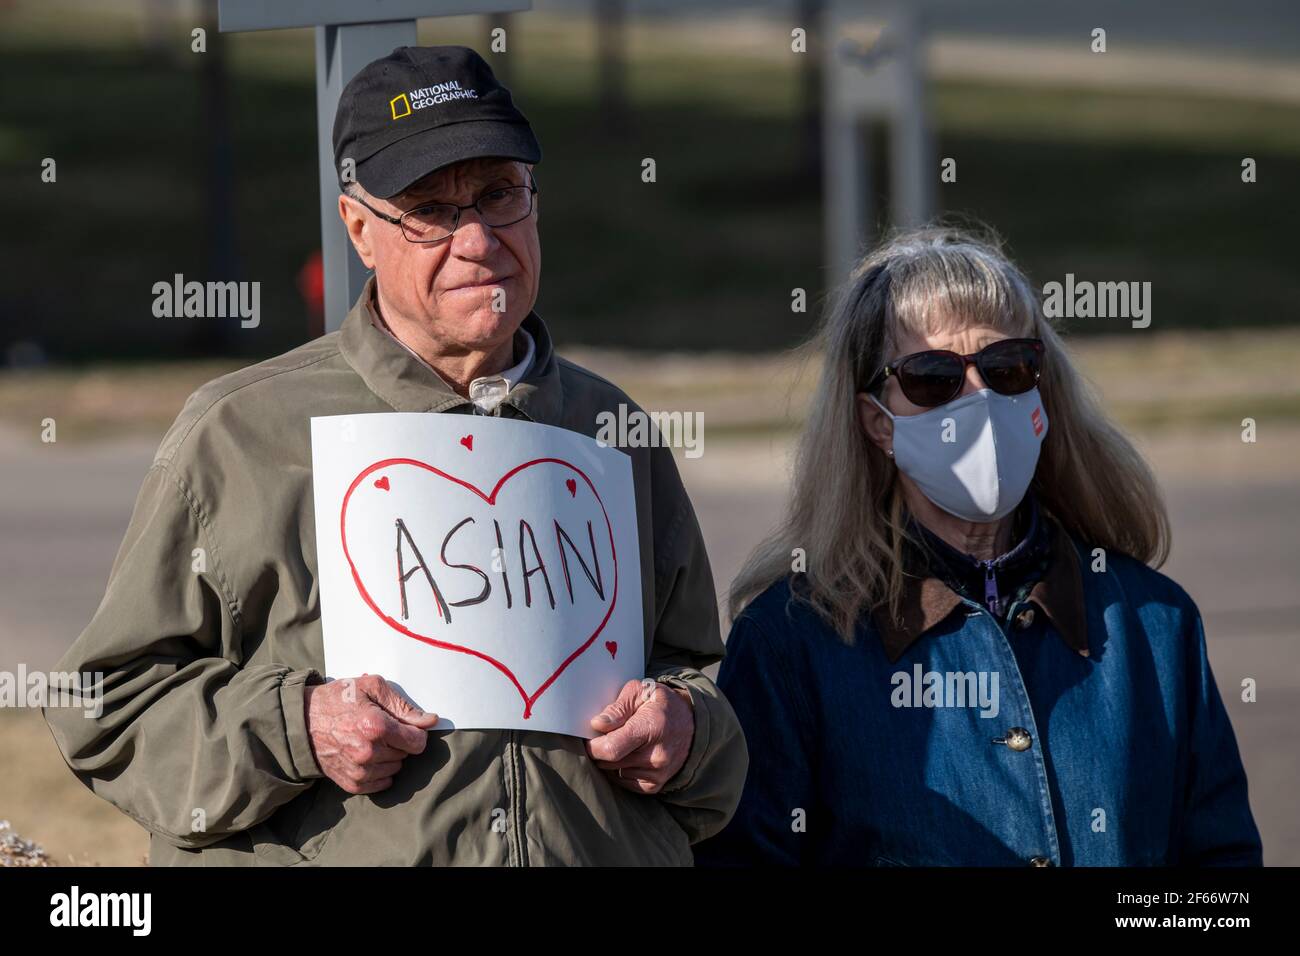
column 647, row 734
column 361, row 730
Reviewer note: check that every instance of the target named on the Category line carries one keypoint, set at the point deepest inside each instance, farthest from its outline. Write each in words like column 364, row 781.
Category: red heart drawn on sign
column 468, row 442
column 572, row 486
column 586, row 640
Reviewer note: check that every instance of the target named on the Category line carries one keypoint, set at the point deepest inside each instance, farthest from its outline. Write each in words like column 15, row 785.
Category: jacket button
column 1040, row 861
column 1018, row 739
column 1025, row 619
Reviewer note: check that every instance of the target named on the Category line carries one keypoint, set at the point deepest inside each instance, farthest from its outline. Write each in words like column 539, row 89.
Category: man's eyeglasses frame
column 423, row 207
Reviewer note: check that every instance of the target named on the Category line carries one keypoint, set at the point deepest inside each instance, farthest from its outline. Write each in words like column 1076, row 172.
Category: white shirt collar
column 486, row 391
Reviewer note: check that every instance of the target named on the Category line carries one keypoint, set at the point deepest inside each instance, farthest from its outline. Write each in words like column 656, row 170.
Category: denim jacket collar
column 408, row 385
column 927, row 600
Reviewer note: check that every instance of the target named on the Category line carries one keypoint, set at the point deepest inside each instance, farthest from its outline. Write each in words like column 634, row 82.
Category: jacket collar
column 408, row 385
column 927, row 600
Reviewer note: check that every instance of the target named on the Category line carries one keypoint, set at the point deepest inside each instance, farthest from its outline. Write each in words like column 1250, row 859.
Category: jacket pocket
column 299, row 830
column 660, row 829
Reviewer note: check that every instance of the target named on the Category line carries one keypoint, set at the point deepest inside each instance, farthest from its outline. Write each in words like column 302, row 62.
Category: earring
column 890, row 452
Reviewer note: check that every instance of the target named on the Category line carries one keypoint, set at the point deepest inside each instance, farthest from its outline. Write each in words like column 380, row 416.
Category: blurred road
column 65, row 506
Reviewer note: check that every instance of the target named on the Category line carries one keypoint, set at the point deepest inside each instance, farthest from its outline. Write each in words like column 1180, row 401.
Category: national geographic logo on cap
column 444, row 106
column 403, row 103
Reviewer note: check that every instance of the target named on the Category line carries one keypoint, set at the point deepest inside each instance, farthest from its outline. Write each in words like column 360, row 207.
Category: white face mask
column 975, row 456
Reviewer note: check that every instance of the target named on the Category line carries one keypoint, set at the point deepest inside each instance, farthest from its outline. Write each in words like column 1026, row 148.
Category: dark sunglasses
column 934, row 377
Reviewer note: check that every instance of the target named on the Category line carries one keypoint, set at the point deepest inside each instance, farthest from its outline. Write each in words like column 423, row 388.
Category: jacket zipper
column 516, row 840
column 514, row 776
column 991, row 598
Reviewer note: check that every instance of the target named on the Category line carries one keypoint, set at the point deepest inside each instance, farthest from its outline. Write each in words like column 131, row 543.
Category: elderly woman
column 955, row 650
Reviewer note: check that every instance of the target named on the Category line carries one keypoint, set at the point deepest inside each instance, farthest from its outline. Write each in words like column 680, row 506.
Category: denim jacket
column 1083, row 729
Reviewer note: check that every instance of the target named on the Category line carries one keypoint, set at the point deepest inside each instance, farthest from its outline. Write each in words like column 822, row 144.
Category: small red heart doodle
column 382, row 483
column 468, row 442
column 612, row 647
column 572, row 486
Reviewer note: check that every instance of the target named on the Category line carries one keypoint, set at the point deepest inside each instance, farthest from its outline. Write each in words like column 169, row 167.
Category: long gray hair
column 846, row 508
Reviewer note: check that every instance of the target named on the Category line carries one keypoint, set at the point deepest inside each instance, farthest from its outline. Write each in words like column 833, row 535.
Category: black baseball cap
column 422, row 108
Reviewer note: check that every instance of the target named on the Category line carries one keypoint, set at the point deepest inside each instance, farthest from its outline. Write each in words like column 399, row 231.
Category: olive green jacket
column 211, row 625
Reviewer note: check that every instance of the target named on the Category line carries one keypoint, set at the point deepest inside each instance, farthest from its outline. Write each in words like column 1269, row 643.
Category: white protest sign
column 488, row 567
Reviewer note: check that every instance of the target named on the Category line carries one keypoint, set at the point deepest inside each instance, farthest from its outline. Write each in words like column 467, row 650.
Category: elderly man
column 219, row 734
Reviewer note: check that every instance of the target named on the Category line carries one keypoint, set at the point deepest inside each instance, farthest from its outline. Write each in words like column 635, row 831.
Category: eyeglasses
column 434, row 222
column 934, row 377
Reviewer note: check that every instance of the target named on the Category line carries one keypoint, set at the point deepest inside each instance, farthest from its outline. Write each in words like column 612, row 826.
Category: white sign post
column 489, row 568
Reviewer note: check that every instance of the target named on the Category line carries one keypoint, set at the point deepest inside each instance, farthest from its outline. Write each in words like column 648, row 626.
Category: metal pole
column 341, row 52
column 846, row 184
column 912, row 165
column 876, row 132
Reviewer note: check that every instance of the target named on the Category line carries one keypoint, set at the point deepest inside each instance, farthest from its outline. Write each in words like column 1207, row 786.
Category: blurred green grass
column 1204, row 379
column 1107, row 185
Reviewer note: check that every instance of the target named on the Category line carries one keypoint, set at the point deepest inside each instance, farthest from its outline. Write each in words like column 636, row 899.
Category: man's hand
column 647, row 735
column 361, row 730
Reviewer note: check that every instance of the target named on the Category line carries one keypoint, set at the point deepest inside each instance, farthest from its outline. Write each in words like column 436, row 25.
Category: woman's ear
column 875, row 424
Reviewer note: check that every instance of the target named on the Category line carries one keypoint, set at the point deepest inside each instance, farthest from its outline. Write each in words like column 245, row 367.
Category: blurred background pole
column 810, row 18
column 218, row 174
column 502, row 66
column 912, row 164
column 878, row 159
column 341, row 51
column 611, row 62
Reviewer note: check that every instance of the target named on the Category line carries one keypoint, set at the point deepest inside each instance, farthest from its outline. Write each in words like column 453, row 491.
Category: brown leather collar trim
column 927, row 601
column 1060, row 591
